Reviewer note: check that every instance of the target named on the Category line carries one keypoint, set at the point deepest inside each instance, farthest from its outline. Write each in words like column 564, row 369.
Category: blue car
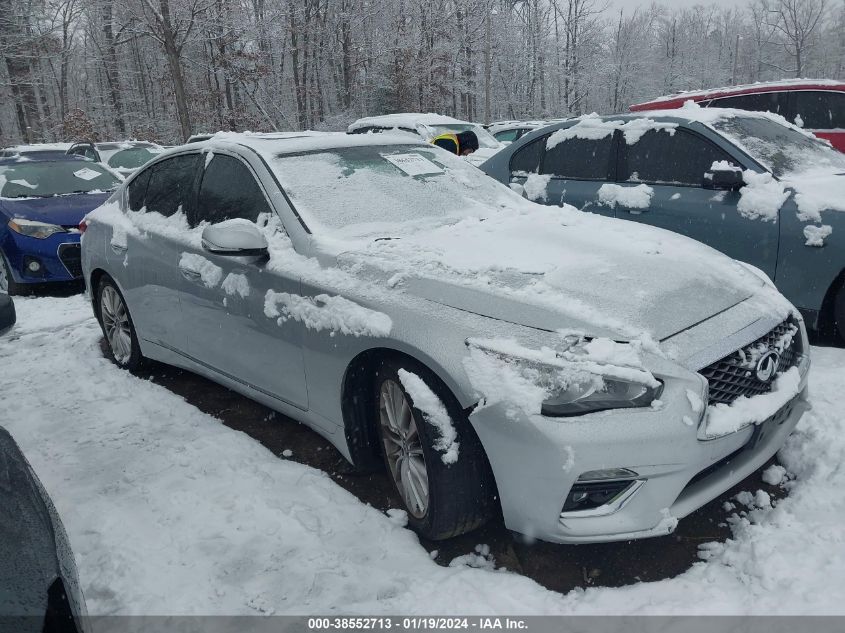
column 42, row 201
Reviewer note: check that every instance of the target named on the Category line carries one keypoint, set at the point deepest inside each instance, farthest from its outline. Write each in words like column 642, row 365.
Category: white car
column 429, row 126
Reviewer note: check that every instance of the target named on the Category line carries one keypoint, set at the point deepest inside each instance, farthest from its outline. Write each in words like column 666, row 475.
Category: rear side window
column 170, row 184
column 820, row 110
column 526, row 160
column 228, row 191
column 579, row 159
column 138, row 190
column 678, row 159
column 761, row 102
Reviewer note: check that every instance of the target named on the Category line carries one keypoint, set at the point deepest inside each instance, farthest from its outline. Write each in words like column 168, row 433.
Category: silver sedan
column 593, row 379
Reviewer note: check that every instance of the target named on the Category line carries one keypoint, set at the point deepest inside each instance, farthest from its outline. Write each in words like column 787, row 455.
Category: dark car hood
column 65, row 210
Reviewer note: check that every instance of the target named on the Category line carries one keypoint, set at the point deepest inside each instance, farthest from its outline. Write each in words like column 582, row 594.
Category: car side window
column 820, row 110
column 228, row 191
column 579, row 159
column 760, row 102
column 526, row 160
column 138, row 190
column 681, row 158
column 507, row 135
column 170, row 184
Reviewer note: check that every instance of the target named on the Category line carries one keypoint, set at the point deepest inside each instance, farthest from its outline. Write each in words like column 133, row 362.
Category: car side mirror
column 730, row 179
column 234, row 237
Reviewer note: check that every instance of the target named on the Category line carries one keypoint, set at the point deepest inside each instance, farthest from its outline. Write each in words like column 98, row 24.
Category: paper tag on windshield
column 413, row 164
column 86, row 174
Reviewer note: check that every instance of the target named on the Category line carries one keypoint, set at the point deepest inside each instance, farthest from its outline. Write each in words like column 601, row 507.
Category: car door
column 672, row 166
column 575, row 169
column 145, row 259
column 223, row 296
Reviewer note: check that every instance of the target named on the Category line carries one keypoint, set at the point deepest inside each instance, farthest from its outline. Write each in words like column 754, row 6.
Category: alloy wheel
column 403, row 448
column 116, row 324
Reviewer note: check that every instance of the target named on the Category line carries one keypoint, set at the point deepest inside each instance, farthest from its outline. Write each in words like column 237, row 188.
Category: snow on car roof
column 405, row 119
column 38, row 147
column 753, row 87
column 271, row 144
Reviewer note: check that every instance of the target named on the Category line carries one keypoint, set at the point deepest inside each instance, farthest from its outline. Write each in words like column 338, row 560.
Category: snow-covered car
column 749, row 184
column 596, row 379
column 41, row 150
column 429, row 126
column 39, row 585
column 124, row 157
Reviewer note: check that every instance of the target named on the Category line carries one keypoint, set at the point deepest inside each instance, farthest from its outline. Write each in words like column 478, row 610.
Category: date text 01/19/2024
column 416, row 623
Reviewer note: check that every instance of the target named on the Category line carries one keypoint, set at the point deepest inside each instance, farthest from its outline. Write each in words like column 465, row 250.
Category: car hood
column 561, row 269
column 65, row 210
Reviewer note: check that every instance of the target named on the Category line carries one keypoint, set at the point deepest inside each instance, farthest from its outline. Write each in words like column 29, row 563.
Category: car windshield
column 384, row 190
column 53, row 178
column 782, row 149
column 131, row 158
column 485, row 139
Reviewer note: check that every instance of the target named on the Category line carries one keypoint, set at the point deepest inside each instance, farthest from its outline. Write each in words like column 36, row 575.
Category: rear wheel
column 7, row 282
column 442, row 500
column 839, row 313
column 117, row 326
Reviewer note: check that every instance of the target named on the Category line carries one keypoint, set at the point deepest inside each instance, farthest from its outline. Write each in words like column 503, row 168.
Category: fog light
column 586, row 496
column 33, row 266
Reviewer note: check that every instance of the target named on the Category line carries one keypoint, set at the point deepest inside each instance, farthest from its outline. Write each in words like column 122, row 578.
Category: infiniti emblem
column 767, row 366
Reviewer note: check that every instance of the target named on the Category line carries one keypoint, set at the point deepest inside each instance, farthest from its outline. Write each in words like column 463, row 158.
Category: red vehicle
column 817, row 105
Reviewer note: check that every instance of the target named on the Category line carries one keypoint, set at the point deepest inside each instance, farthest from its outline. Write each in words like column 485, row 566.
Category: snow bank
column 324, row 312
column 761, row 197
column 434, row 412
column 638, row 197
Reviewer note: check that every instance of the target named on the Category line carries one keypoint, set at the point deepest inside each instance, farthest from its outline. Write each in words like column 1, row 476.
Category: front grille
column 71, row 256
column 734, row 375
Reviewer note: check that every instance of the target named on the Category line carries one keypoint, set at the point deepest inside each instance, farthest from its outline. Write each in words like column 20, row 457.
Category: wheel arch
column 357, row 399
column 826, row 318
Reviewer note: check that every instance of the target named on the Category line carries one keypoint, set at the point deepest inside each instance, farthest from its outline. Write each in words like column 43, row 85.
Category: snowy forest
column 164, row 69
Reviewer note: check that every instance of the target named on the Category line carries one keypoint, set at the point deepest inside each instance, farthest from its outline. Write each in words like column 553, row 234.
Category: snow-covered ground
column 171, row 512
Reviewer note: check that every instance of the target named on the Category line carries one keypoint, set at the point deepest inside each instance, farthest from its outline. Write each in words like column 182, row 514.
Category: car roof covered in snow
column 408, row 120
column 677, row 99
column 276, row 143
column 46, row 156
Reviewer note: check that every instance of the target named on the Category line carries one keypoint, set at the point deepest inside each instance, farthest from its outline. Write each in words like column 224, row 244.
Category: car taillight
column 82, row 226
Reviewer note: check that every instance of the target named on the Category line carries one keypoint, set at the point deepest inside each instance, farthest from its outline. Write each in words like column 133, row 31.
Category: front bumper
column 536, row 460
column 58, row 257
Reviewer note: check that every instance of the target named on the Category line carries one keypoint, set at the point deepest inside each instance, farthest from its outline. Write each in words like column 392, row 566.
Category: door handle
column 189, row 273
column 634, row 211
column 119, row 249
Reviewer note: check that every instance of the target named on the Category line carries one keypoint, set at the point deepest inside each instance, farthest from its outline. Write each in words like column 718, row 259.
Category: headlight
column 611, row 394
column 31, row 228
column 585, row 377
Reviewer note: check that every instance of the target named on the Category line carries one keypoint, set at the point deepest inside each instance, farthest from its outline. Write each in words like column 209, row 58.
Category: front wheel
column 8, row 285
column 443, row 496
column 117, row 326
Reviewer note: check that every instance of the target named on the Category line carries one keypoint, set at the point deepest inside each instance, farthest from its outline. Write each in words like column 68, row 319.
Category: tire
column 118, row 329
column 8, row 285
column 839, row 314
column 442, row 500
